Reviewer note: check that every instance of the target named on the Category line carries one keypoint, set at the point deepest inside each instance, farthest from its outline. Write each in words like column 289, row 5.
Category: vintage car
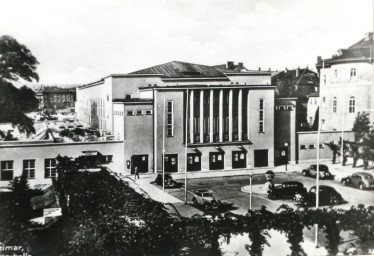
column 169, row 182
column 361, row 180
column 327, row 196
column 287, row 189
column 206, row 199
column 311, row 171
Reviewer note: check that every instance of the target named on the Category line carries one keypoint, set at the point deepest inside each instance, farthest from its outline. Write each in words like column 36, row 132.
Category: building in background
column 347, row 85
column 312, row 107
column 225, row 112
column 54, row 97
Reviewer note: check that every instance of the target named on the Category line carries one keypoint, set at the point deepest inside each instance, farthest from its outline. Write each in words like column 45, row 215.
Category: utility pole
column 185, row 171
column 163, row 147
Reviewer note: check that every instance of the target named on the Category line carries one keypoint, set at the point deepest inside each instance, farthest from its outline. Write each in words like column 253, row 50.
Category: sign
column 50, row 212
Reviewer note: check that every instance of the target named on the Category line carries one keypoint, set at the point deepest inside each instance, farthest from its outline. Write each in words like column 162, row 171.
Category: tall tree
column 361, row 126
column 16, row 62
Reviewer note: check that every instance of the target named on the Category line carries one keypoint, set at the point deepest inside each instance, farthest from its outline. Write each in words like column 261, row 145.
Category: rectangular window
column 108, row 158
column 148, row 112
column 261, row 116
column 130, row 112
column 29, row 168
column 312, row 146
column 170, row 119
column 321, row 146
column 352, row 105
column 334, row 105
column 139, row 112
column 324, row 79
column 6, row 170
column 302, row 146
column 50, row 168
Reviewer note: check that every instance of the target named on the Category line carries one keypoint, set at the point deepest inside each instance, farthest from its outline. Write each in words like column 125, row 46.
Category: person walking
column 136, row 172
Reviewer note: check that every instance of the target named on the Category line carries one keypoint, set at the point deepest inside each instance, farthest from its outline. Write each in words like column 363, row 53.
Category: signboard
column 50, row 212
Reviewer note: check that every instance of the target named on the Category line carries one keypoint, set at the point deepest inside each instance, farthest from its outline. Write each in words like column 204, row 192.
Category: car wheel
column 304, row 173
column 344, row 182
column 362, row 186
column 334, row 200
column 194, row 200
column 271, row 196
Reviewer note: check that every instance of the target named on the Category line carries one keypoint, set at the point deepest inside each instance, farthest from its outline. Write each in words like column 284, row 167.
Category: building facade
column 347, row 86
column 38, row 159
column 53, row 97
column 220, row 117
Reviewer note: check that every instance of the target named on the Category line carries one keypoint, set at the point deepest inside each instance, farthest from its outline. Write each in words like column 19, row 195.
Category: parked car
column 71, row 127
column 169, row 181
column 361, row 180
column 327, row 196
column 62, row 127
column 206, row 199
column 311, row 171
column 76, row 138
column 287, row 189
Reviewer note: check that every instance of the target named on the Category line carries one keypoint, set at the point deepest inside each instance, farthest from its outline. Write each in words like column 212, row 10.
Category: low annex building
column 223, row 115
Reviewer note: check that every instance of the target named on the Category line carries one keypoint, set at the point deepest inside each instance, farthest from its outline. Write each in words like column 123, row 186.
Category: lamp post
column 250, row 190
column 286, row 154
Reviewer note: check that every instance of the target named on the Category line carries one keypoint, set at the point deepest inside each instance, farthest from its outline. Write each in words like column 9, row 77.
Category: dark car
column 311, row 171
column 361, row 180
column 169, row 181
column 327, row 196
column 287, row 189
column 205, row 198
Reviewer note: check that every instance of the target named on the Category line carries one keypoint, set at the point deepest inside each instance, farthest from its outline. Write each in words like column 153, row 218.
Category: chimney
column 269, row 69
column 368, row 35
column 230, row 64
column 319, row 59
column 259, row 69
column 240, row 65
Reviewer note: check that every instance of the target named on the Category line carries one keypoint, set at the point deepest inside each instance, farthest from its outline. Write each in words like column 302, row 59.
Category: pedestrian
column 136, row 172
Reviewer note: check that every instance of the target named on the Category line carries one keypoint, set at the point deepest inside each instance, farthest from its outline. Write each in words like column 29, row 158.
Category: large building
column 54, row 97
column 224, row 115
column 347, row 86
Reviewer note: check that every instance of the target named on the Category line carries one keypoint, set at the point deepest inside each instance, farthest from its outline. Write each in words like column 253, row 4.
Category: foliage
column 335, row 150
column 16, row 61
column 29, row 101
column 361, row 126
column 367, row 149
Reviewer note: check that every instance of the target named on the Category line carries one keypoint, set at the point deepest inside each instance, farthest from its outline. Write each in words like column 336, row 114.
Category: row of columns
column 220, row 114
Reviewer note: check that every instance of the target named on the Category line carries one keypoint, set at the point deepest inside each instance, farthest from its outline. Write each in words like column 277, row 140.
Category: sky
column 78, row 42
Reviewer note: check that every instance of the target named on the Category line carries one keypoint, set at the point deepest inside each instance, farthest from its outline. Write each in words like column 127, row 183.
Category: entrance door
column 193, row 162
column 171, row 162
column 216, row 161
column 261, row 157
column 239, row 159
column 141, row 161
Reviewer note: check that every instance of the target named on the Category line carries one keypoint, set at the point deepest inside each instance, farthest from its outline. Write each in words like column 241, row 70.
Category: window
column 6, row 170
column 324, row 79
column 353, row 73
column 139, row 112
column 50, row 168
column 127, row 96
column 148, row 112
column 334, row 105
column 289, row 107
column 324, row 99
column 310, row 119
column 321, row 146
column 335, row 73
column 315, row 101
column 261, row 116
column 170, row 119
column 29, row 168
column 130, row 112
column 352, row 104
column 108, row 158
column 302, row 146
column 312, row 146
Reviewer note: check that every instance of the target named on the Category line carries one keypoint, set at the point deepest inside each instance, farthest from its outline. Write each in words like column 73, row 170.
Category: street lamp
column 250, row 191
column 286, row 154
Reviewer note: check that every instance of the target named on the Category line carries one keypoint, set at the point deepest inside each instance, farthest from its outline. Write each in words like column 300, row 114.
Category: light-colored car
column 206, row 199
column 361, row 180
column 311, row 171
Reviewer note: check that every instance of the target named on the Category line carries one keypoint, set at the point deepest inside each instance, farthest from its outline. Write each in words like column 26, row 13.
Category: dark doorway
column 171, row 162
column 141, row 161
column 261, row 157
column 239, row 159
column 193, row 162
column 281, row 155
column 216, row 161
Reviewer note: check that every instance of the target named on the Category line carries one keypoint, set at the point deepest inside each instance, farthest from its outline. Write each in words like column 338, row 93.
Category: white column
column 248, row 116
column 201, row 116
column 220, row 128
column 230, row 114
column 155, row 133
column 211, row 116
column 240, row 104
column 191, row 117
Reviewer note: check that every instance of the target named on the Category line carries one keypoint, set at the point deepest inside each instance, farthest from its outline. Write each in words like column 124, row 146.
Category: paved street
column 228, row 189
